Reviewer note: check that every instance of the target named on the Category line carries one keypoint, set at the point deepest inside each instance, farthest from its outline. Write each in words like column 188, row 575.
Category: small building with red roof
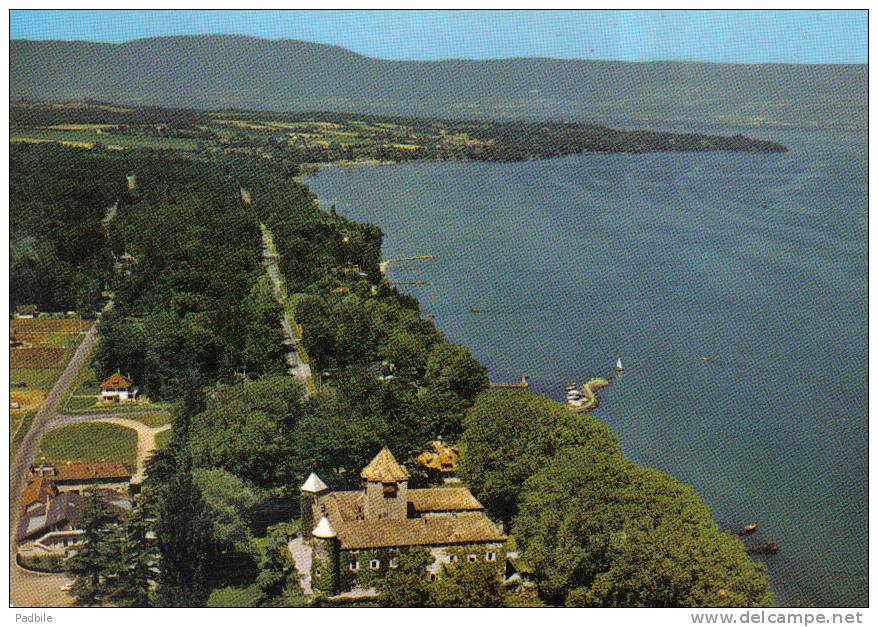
column 118, row 389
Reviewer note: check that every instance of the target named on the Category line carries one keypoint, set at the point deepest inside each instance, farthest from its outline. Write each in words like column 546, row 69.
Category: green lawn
column 89, row 443
column 152, row 418
column 233, row 597
column 162, row 439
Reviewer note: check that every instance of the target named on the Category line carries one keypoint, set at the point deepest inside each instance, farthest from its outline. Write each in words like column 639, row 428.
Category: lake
column 733, row 286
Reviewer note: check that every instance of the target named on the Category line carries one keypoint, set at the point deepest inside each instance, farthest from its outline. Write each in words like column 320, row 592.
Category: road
column 22, row 584
column 299, row 368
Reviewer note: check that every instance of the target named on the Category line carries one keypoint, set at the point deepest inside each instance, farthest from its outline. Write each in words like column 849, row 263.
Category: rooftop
column 313, row 484
column 384, row 469
column 109, row 471
column 435, row 531
column 66, row 510
column 117, row 380
column 37, row 489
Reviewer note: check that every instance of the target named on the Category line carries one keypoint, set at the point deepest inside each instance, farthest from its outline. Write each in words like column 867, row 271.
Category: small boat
column 476, row 309
column 619, row 367
column 751, row 527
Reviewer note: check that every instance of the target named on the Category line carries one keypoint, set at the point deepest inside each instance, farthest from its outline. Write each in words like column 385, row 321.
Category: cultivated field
column 38, row 358
column 46, row 346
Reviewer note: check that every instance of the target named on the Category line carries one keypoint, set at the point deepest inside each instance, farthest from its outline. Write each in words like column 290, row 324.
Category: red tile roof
column 98, row 471
column 117, row 381
column 37, row 489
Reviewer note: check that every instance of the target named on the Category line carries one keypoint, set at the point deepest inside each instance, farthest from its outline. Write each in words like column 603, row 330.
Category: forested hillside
column 221, row 72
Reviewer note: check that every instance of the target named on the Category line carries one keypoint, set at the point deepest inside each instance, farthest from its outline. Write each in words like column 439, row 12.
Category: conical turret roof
column 323, row 529
column 313, row 484
column 384, row 468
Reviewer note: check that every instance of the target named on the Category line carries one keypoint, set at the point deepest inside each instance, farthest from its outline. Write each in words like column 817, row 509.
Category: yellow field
column 32, row 140
column 27, row 399
column 80, row 127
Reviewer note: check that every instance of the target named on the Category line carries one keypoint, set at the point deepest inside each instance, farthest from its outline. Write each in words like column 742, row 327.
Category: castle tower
column 385, row 488
column 310, row 491
column 325, row 564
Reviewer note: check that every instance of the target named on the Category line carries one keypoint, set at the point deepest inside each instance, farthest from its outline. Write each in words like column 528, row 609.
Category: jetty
column 585, row 398
column 523, row 384
column 383, row 265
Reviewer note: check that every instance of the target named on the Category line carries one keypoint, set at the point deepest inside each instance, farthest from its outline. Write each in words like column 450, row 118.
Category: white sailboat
column 619, row 367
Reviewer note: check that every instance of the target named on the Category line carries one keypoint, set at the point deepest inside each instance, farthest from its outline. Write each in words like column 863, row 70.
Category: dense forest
column 59, row 254
column 194, row 322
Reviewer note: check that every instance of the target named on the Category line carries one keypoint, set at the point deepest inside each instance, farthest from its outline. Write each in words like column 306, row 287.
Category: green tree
column 186, row 547
column 278, row 580
column 407, row 585
column 94, row 558
column 135, row 558
column 508, row 437
column 599, row 530
column 408, row 354
column 246, row 429
column 452, row 366
column 230, row 501
column 467, row 584
column 261, row 344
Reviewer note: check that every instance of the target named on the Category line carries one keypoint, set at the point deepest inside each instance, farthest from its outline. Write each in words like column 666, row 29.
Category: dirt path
column 302, row 556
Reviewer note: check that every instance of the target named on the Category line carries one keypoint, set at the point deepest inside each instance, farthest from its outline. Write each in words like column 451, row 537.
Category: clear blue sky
column 720, row 36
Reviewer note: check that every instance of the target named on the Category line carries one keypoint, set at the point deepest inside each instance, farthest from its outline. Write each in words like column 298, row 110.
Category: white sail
column 619, row 367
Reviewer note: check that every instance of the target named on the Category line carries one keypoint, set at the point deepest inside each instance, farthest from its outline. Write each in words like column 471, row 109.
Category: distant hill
column 219, row 72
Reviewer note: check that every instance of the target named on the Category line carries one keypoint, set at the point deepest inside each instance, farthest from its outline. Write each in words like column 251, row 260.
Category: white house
column 118, row 388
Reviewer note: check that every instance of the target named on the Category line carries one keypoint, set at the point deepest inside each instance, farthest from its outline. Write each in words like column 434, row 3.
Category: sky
column 709, row 36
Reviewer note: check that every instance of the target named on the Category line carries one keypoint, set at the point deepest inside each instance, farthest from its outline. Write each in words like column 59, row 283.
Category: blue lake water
column 757, row 261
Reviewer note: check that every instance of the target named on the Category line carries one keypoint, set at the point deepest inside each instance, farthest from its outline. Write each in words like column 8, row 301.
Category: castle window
column 432, row 576
column 354, row 565
column 471, row 557
column 374, row 564
column 393, row 562
column 490, row 556
column 389, row 490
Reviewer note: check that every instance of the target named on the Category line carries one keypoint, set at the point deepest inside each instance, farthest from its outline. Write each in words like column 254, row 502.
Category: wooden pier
column 520, row 385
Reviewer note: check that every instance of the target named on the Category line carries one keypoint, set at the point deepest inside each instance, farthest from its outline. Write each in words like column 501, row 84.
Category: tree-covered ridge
column 325, row 137
column 595, row 528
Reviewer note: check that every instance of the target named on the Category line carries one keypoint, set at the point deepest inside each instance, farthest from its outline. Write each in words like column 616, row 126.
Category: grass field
column 87, row 138
column 152, row 418
column 234, row 596
column 89, row 443
column 162, row 439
